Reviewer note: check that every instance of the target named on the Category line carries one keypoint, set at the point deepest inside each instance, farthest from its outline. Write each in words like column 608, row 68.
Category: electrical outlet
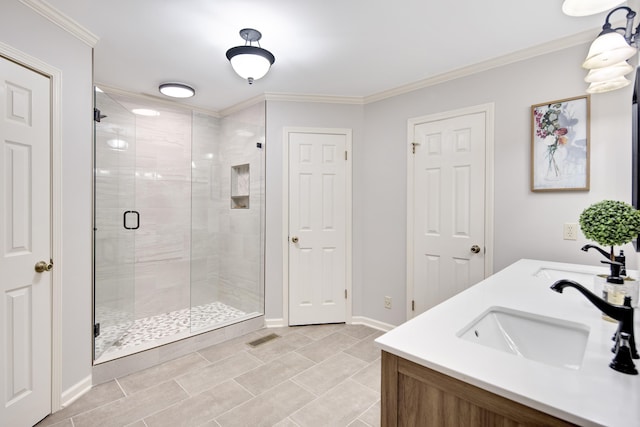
column 387, row 302
column 570, row 231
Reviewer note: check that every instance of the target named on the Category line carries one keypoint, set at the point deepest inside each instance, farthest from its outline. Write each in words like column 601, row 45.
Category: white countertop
column 592, row 395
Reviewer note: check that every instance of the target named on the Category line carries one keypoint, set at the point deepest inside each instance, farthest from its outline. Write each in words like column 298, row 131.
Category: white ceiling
column 324, row 47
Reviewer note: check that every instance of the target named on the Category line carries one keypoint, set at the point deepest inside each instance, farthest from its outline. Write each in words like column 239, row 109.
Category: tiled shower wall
column 227, row 243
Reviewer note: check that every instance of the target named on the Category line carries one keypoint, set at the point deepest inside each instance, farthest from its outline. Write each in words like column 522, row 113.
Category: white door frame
column 488, row 110
column 285, row 215
column 54, row 76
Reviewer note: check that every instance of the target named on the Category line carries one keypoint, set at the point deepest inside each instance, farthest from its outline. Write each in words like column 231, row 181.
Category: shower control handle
column 294, row 239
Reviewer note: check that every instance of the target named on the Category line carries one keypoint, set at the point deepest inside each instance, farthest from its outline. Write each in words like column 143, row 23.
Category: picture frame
column 560, row 157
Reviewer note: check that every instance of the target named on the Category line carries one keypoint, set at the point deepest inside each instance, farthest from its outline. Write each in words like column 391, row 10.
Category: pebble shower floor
column 154, row 328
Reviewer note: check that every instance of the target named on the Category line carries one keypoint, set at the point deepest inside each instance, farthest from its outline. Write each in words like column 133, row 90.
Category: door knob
column 294, row 239
column 42, row 266
column 475, row 249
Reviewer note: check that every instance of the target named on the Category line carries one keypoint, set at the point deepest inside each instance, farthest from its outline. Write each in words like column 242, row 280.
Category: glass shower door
column 115, row 223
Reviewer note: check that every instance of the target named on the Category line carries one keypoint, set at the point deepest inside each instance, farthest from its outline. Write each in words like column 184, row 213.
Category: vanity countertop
column 593, row 395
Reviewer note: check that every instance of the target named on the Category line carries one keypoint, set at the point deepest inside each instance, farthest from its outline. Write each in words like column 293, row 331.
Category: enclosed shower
column 178, row 222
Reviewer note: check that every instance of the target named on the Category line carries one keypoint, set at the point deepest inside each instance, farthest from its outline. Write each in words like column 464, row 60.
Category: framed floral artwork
column 560, row 145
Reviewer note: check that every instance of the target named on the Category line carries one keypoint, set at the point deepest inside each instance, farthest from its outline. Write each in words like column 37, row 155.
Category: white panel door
column 449, row 194
column 25, row 239
column 317, row 228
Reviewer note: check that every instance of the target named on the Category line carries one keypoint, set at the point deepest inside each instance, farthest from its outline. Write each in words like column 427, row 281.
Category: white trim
column 76, row 391
column 156, row 99
column 55, row 79
column 500, row 61
column 327, row 99
column 375, row 324
column 63, row 21
column 240, row 106
column 274, row 323
column 348, row 215
column 488, row 110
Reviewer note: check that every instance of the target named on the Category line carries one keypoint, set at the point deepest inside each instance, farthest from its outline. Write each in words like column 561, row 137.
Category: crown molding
column 62, row 20
column 242, row 105
column 329, row 99
column 521, row 55
column 292, row 97
column 155, row 99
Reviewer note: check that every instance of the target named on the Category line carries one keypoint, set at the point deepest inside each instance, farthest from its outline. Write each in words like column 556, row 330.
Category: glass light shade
column 600, row 87
column 177, row 90
column 250, row 62
column 588, row 7
column 609, row 48
column 607, row 73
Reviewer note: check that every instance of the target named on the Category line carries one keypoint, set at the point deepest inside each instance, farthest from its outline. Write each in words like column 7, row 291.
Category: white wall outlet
column 387, row 302
column 570, row 231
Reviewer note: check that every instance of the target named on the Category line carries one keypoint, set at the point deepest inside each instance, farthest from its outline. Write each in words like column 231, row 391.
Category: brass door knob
column 294, row 239
column 475, row 249
column 42, row 266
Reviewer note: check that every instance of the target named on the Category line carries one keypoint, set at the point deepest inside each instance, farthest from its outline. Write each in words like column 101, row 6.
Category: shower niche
column 188, row 265
column 240, row 179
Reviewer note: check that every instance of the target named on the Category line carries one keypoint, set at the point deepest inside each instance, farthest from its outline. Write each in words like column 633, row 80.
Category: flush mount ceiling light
column 248, row 61
column 177, row 90
column 588, row 7
column 608, row 54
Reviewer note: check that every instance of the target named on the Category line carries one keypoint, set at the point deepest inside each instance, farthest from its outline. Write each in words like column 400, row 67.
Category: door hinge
column 96, row 330
column 413, row 147
column 345, row 155
column 97, row 116
column 413, row 305
column 345, row 294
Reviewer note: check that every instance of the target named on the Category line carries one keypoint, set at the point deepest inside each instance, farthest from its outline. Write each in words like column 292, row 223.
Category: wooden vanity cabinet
column 416, row 396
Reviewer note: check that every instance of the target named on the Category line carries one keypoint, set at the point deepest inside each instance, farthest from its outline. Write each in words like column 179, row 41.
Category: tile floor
column 325, row 375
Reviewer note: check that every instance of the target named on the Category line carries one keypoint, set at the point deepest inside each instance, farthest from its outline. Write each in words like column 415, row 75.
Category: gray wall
column 50, row 44
column 527, row 225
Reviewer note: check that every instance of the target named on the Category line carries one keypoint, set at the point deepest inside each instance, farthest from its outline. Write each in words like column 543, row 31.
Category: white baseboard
column 355, row 320
column 71, row 394
column 375, row 324
column 274, row 323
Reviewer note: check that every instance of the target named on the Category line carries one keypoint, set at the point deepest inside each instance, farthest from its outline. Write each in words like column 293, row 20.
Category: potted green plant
column 610, row 223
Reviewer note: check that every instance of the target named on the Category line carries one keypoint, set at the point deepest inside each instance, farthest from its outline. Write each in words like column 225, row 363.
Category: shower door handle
column 124, row 220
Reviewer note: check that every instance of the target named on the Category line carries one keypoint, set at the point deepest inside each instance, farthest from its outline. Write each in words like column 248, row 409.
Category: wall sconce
column 608, row 55
column 588, row 7
column 248, row 61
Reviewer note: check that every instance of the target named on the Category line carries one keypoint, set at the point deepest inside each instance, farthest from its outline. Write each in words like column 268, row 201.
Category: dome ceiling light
column 248, row 61
column 177, row 90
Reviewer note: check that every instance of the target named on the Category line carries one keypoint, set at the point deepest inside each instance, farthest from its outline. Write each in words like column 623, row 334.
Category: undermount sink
column 554, row 274
column 543, row 339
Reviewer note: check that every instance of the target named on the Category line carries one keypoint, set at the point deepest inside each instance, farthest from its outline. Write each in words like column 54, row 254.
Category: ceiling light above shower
column 177, row 90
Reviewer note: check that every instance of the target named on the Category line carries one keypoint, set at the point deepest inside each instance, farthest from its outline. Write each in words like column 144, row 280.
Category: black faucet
column 625, row 347
column 608, row 255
